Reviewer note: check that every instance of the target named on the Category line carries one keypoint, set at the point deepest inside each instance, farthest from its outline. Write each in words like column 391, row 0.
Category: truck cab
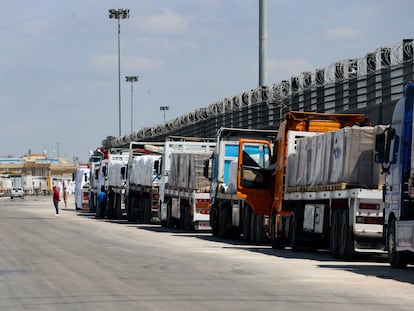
column 394, row 149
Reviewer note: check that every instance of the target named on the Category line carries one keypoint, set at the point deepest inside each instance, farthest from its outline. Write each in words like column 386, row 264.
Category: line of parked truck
column 321, row 180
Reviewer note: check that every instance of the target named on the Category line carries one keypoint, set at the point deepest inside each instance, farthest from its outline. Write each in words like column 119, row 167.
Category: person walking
column 56, row 199
column 65, row 196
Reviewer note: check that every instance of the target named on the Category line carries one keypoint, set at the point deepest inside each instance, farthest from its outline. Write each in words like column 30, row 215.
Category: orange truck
column 316, row 186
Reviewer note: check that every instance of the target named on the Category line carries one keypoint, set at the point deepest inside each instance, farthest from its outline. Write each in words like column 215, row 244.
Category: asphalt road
column 77, row 262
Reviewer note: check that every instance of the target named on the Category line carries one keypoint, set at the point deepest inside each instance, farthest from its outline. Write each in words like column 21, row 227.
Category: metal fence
column 371, row 85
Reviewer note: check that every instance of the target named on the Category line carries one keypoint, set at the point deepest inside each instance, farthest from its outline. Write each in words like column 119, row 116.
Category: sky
column 59, row 60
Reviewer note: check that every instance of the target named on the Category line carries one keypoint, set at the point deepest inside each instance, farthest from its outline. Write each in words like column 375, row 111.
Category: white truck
column 394, row 150
column 184, row 190
column 94, row 164
column 113, row 169
column 81, row 178
column 142, row 181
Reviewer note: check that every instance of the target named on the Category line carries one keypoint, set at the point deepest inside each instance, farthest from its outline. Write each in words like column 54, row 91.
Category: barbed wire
column 278, row 93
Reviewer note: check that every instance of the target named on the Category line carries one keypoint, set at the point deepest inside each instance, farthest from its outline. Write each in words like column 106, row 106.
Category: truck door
column 254, row 175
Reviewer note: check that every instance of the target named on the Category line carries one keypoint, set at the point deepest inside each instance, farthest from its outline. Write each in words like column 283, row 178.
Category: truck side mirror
column 104, row 171
column 207, row 169
column 380, row 148
column 390, row 145
column 123, row 171
column 85, row 177
column 157, row 167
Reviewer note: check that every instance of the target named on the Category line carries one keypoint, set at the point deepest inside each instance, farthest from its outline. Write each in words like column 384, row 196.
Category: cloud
column 284, row 69
column 101, row 62
column 341, row 33
column 106, row 62
column 34, row 27
column 142, row 63
column 167, row 22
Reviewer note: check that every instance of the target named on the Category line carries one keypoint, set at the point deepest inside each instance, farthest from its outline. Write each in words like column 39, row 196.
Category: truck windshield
column 256, row 155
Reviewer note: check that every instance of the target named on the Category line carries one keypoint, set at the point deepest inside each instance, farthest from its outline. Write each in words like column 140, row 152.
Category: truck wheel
column 397, row 259
column 246, row 223
column 222, row 232
column 111, row 202
column 132, row 215
column 98, row 212
column 346, row 241
column 213, row 221
column 334, row 236
column 275, row 241
column 252, row 228
column 118, row 213
column 293, row 228
column 169, row 218
column 189, row 226
column 146, row 210
column 182, row 218
column 259, row 229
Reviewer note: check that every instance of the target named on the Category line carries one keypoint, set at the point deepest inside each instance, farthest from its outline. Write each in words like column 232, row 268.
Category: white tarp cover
column 141, row 171
column 114, row 173
column 187, row 171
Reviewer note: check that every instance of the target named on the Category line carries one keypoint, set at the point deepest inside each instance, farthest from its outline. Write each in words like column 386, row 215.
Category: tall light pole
column 132, row 79
column 164, row 108
column 119, row 14
column 262, row 42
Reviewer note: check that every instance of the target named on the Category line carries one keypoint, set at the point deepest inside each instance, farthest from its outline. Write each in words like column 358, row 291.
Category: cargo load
column 116, row 179
column 186, row 171
column 344, row 156
column 142, row 170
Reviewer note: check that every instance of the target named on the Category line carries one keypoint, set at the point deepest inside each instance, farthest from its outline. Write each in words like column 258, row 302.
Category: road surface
column 77, row 262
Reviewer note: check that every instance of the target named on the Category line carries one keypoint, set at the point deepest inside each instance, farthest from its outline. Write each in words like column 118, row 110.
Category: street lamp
column 132, row 79
column 119, row 14
column 164, row 108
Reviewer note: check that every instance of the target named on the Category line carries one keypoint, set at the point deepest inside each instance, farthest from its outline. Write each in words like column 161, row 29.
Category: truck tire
column 259, row 229
column 222, row 230
column 132, row 215
column 274, row 240
column 117, row 209
column 396, row 258
column 346, row 241
column 170, row 223
column 213, row 221
column 189, row 226
column 111, row 203
column 98, row 213
column 146, row 210
column 246, row 223
column 293, row 233
column 252, row 228
column 334, row 233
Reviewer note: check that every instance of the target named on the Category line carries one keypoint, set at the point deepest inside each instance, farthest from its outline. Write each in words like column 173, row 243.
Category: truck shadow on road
column 367, row 265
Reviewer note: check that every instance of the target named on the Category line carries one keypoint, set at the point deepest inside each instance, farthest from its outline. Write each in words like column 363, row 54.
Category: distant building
column 37, row 165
